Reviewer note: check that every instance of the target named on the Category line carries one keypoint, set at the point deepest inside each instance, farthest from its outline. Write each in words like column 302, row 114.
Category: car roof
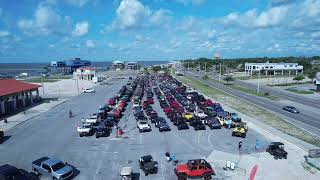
column 276, row 143
column 51, row 161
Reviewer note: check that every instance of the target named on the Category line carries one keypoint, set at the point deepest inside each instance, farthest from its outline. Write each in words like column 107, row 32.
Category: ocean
column 35, row 69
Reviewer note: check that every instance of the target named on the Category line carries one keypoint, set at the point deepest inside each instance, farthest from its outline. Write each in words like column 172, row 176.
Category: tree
column 228, row 79
column 156, row 68
column 298, row 78
column 205, row 77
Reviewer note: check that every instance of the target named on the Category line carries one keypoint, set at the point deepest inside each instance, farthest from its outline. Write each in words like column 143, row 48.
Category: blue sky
column 106, row 30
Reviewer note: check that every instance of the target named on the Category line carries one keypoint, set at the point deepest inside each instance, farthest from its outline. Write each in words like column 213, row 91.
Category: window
column 194, row 168
column 253, row 67
column 271, row 67
column 46, row 167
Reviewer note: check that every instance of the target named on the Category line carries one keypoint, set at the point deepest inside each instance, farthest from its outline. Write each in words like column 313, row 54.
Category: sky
column 155, row 30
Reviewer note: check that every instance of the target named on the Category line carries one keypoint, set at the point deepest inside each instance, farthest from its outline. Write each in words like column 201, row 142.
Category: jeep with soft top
column 194, row 168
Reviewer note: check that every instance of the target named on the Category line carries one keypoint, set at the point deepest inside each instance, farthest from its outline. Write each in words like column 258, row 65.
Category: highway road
column 307, row 121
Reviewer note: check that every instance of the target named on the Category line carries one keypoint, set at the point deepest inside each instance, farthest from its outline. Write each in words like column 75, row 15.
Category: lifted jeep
column 194, row 168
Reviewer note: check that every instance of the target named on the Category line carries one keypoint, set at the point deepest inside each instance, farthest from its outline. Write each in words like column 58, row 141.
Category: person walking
column 240, row 145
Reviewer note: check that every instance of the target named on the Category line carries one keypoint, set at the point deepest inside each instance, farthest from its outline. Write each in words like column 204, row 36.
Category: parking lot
column 53, row 134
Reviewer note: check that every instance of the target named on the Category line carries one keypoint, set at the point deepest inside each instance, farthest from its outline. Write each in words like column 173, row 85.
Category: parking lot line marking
column 98, row 169
column 209, row 140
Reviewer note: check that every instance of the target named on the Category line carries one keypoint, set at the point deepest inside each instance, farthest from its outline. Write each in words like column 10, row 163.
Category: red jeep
column 112, row 101
column 194, row 168
column 150, row 100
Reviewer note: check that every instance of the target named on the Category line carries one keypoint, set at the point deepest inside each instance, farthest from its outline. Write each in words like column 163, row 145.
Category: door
column 46, row 170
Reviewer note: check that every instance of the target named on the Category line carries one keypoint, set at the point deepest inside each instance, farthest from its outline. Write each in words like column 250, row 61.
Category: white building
column 84, row 73
column 131, row 65
column 117, row 65
column 273, row 68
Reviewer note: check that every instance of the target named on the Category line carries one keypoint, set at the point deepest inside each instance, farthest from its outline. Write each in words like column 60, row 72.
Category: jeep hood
column 182, row 168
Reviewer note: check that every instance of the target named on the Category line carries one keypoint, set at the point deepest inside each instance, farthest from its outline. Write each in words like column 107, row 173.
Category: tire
column 276, row 157
column 232, row 133
column 80, row 135
column 285, row 157
column 97, row 137
column 36, row 172
column 206, row 176
column 146, row 173
column 243, row 136
column 182, row 177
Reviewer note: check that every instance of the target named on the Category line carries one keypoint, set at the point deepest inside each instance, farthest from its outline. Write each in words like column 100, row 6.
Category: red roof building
column 13, row 86
column 15, row 95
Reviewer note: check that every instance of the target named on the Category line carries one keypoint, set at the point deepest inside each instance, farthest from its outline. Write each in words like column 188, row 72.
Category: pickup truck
column 53, row 168
column 85, row 129
column 92, row 118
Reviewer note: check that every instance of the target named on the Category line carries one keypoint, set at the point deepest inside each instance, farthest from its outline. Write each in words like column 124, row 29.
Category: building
column 273, row 68
column 69, row 66
column 16, row 95
column 117, row 65
column 131, row 65
column 84, row 73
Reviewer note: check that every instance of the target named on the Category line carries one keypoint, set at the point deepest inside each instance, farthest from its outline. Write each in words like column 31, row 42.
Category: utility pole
column 219, row 71
column 188, row 66
column 205, row 68
column 42, row 84
column 258, row 88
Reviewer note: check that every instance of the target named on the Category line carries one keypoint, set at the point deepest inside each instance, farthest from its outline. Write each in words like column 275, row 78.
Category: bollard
column 5, row 120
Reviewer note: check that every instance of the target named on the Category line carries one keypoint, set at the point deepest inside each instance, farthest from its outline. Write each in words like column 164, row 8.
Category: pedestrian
column 5, row 120
column 240, row 145
column 24, row 112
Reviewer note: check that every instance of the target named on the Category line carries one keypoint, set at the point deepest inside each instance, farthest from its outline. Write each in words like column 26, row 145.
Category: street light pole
column 219, row 71
column 205, row 68
column 42, row 84
column 258, row 88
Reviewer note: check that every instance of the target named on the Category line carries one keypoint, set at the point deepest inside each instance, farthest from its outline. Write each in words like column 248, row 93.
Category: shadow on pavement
column 4, row 139
column 135, row 176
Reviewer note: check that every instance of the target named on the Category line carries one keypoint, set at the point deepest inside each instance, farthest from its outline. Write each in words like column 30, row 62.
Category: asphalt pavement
column 53, row 134
column 307, row 121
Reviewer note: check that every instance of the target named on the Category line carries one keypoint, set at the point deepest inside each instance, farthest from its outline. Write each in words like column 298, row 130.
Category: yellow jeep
column 240, row 130
column 188, row 116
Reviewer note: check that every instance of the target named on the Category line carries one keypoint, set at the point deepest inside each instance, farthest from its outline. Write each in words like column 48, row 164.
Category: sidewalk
column 30, row 113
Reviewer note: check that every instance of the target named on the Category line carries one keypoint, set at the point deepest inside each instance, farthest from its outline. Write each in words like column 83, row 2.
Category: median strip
column 253, row 111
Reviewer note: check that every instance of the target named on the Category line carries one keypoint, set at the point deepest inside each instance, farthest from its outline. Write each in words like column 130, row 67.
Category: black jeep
column 277, row 150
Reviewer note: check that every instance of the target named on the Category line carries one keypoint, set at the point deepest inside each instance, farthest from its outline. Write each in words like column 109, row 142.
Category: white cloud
column 160, row 17
column 268, row 18
column 81, row 29
column 46, row 21
column 312, row 8
column 193, row 2
column 90, row 44
column 133, row 14
column 77, row 3
column 4, row 33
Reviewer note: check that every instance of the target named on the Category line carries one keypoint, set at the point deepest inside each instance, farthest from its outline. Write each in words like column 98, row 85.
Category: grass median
column 55, row 78
column 299, row 91
column 253, row 111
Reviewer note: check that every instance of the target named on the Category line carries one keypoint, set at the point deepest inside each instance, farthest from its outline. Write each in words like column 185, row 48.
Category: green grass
column 251, row 91
column 54, row 78
column 299, row 91
column 39, row 80
column 199, row 86
column 262, row 76
column 253, row 111
column 290, row 84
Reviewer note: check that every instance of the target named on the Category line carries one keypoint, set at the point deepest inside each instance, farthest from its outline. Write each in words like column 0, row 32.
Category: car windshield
column 58, row 166
column 143, row 122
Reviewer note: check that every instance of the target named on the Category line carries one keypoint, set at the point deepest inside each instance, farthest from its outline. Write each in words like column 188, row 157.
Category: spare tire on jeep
column 182, row 176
